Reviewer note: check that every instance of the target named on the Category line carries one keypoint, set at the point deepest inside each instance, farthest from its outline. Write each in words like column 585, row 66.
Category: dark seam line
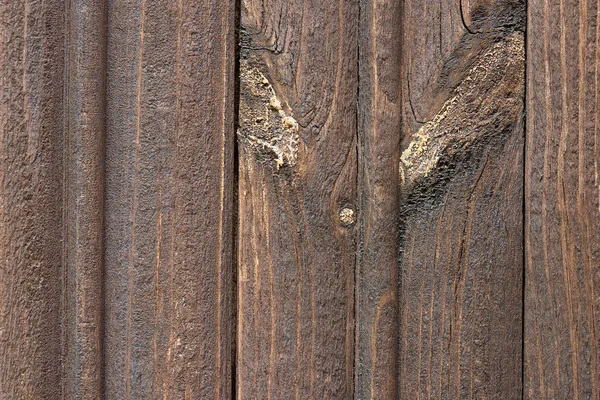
column 524, row 211
column 358, row 230
column 235, row 196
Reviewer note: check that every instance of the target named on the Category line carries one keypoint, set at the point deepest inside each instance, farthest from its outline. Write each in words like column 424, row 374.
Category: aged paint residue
column 266, row 126
column 486, row 103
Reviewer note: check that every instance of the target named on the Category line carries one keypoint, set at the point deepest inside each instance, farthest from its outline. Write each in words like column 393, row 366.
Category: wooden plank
column 562, row 347
column 169, row 202
column 298, row 199
column 84, row 199
column 31, row 105
column 379, row 154
column 461, row 254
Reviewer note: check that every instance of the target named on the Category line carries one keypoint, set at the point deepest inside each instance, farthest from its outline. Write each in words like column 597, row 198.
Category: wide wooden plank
column 31, row 121
column 562, row 303
column 169, row 198
column 379, row 153
column 298, row 199
column 84, row 200
column 461, row 212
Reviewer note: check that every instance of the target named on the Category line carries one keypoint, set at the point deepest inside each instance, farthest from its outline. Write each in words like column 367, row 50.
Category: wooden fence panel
column 461, row 208
column 169, row 198
column 367, row 233
column 562, row 303
column 297, row 188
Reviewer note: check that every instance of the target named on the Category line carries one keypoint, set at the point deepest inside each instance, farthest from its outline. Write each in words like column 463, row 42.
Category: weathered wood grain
column 432, row 31
column 461, row 211
column 441, row 41
column 31, row 145
column 562, row 303
column 84, row 200
column 169, row 199
column 298, row 199
column 379, row 111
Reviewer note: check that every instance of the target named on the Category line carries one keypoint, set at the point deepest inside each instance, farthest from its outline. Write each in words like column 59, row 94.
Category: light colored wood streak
column 134, row 203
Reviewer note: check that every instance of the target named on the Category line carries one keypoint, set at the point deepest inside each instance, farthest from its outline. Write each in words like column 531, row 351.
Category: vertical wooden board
column 297, row 207
column 380, row 107
column 461, row 209
column 562, row 355
column 169, row 204
column 84, row 199
column 31, row 101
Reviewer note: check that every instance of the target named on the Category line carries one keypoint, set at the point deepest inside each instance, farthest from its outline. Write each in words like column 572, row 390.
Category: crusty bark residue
column 488, row 102
column 266, row 125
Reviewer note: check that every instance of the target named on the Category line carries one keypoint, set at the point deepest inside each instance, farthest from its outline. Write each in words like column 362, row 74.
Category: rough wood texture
column 562, row 303
column 370, row 132
column 376, row 366
column 31, row 145
column 169, row 204
column 461, row 211
column 84, row 200
column 298, row 172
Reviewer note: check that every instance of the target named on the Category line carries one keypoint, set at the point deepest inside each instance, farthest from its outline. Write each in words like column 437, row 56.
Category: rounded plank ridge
column 84, row 200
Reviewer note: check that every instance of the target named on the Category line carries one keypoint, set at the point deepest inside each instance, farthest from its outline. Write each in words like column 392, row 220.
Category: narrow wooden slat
column 379, row 153
column 169, row 204
column 562, row 337
column 84, row 195
column 31, row 123
column 297, row 206
column 461, row 213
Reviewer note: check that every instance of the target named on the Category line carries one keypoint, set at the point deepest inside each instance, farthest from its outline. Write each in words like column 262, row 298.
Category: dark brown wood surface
column 461, row 208
column 169, row 199
column 31, row 147
column 562, row 303
column 385, row 223
column 298, row 199
column 378, row 185
column 83, row 233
